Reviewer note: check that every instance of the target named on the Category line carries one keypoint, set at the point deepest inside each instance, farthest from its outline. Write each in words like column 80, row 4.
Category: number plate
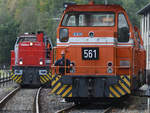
column 90, row 53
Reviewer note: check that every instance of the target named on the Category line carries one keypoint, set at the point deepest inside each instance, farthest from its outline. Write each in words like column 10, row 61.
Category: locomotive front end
column 97, row 60
column 31, row 64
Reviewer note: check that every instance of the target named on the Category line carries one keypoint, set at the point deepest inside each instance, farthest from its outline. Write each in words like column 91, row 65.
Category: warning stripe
column 126, row 88
column 61, row 86
column 13, row 76
column 18, row 79
column 61, row 89
column 55, row 81
column 110, row 95
column 67, row 95
column 114, row 92
column 67, row 91
column 121, row 89
column 70, row 95
column 53, row 77
column 46, row 78
column 117, row 91
column 127, row 77
column 64, row 90
column 124, row 82
column 43, row 79
column 55, row 88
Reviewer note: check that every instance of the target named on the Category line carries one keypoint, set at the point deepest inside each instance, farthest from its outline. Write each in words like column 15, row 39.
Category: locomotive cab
column 31, row 59
column 101, row 43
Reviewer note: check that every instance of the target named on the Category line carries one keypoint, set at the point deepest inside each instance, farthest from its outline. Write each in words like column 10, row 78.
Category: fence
column 5, row 76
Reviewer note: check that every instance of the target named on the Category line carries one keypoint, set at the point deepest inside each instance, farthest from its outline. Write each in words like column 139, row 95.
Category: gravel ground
column 22, row 102
column 50, row 103
column 133, row 104
column 96, row 109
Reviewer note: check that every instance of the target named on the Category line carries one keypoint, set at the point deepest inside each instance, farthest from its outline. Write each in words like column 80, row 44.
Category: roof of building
column 144, row 10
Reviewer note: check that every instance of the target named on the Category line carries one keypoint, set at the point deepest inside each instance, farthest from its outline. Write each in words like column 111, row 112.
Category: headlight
column 20, row 62
column 31, row 44
column 63, row 35
column 109, row 70
column 109, row 64
column 124, row 63
column 41, row 62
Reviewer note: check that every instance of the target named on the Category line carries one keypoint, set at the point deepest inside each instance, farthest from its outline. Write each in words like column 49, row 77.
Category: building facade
column 145, row 31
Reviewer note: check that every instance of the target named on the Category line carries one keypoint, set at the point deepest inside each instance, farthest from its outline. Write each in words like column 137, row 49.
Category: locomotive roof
column 94, row 7
column 28, row 35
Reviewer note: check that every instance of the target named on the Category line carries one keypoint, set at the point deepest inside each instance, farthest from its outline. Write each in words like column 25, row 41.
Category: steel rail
column 4, row 100
column 108, row 110
column 36, row 104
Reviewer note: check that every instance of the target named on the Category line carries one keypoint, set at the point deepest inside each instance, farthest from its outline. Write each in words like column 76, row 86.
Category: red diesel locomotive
column 31, row 59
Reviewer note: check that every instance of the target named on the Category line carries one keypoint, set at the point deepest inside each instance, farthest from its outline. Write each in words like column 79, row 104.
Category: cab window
column 89, row 19
column 122, row 22
column 123, row 29
column 27, row 39
column 71, row 21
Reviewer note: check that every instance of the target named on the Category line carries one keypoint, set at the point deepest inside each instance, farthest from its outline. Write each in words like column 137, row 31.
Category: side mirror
column 123, row 34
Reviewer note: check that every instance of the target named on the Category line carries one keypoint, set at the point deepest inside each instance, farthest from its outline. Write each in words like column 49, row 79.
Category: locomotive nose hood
column 92, row 50
column 89, row 34
column 30, row 53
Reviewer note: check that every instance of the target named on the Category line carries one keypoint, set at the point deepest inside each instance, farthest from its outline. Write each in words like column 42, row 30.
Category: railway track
column 36, row 107
column 67, row 109
column 4, row 100
column 108, row 110
column 21, row 100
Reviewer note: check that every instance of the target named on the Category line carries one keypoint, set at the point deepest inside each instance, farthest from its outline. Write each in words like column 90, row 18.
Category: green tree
column 8, row 33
